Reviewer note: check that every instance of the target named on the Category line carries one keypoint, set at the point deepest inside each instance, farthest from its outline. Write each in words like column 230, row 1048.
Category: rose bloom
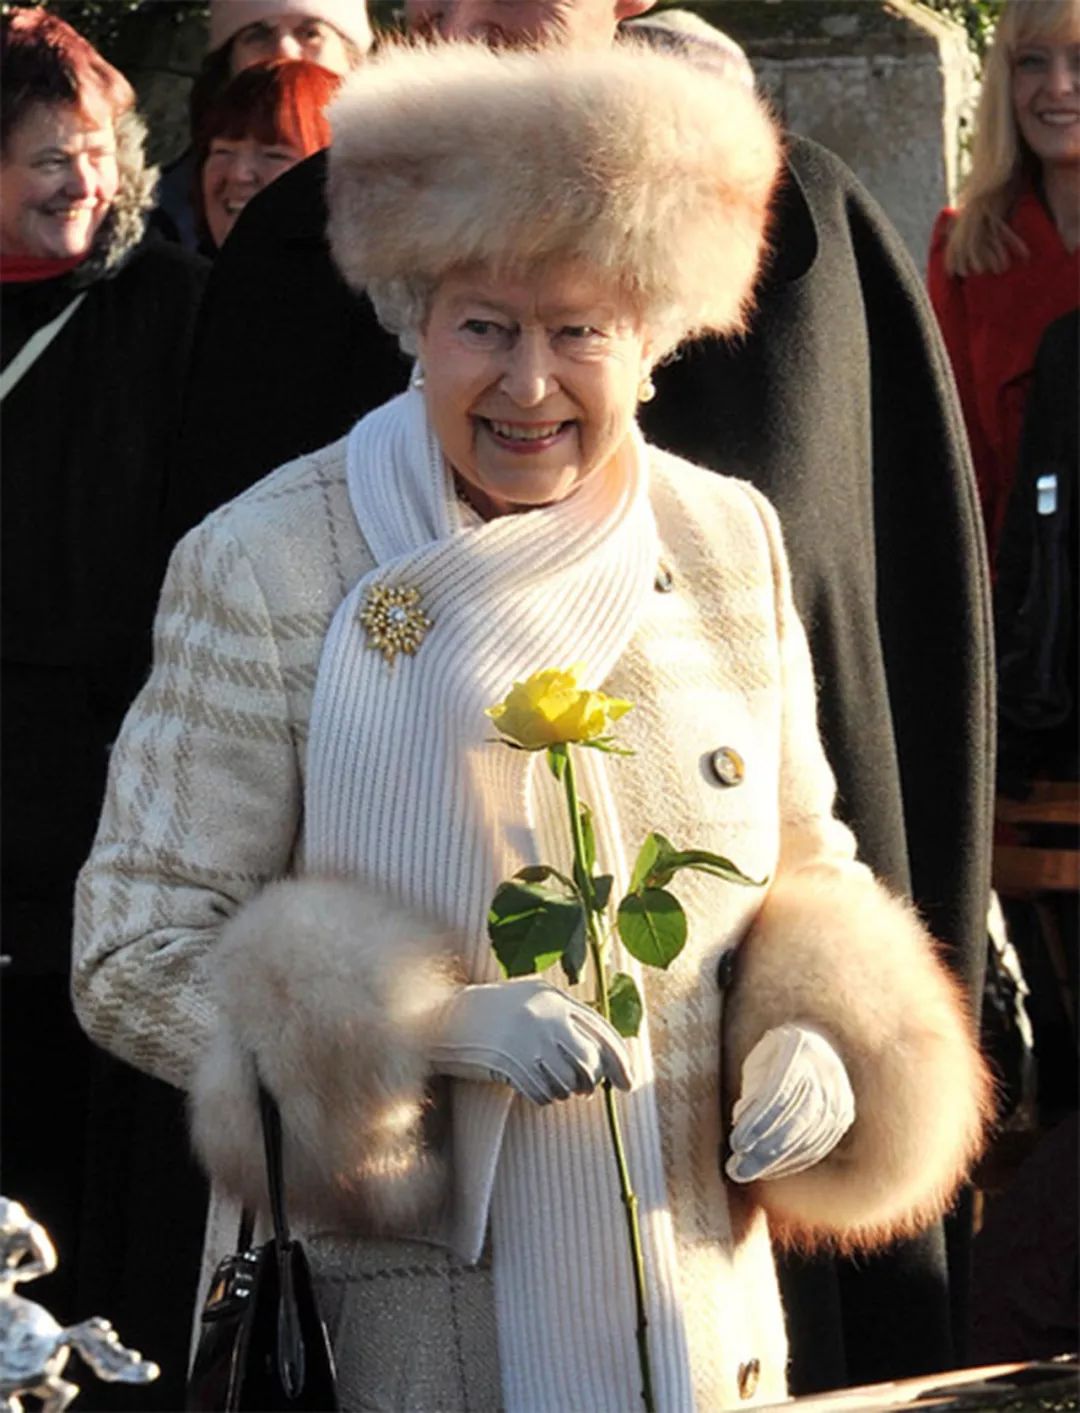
column 550, row 708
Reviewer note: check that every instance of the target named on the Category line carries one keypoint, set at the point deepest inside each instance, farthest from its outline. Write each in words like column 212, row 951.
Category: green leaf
column 540, row 873
column 531, row 926
column 659, row 861
column 625, row 1005
column 588, row 835
column 643, row 864
column 608, row 745
column 601, row 887
column 701, row 861
column 556, row 759
column 652, row 926
column 573, row 957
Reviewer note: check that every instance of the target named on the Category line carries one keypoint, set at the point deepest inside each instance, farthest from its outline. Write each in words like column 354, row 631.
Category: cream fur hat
column 637, row 162
column 349, row 17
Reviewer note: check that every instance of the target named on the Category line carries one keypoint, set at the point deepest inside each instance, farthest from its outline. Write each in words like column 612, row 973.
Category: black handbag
column 263, row 1346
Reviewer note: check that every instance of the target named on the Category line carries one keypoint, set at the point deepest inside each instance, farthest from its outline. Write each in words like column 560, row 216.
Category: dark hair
column 279, row 100
column 43, row 60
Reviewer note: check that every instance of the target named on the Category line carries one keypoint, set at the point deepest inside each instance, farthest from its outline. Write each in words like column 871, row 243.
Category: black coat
column 87, row 438
column 1035, row 599
column 840, row 406
column 96, row 1151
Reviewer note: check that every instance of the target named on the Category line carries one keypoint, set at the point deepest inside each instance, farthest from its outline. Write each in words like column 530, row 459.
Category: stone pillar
column 889, row 87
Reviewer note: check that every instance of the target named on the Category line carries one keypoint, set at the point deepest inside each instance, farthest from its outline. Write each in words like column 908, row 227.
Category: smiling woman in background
column 335, row 34
column 268, row 118
column 1005, row 264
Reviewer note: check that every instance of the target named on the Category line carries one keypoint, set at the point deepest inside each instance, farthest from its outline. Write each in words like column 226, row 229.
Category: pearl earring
column 416, row 378
column 646, row 389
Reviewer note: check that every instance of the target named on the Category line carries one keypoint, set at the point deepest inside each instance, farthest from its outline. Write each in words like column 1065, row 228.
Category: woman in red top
column 1005, row 263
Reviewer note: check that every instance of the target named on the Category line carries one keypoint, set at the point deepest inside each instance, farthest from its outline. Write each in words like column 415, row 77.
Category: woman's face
column 1046, row 97
column 532, row 385
column 58, row 176
column 290, row 36
column 234, row 171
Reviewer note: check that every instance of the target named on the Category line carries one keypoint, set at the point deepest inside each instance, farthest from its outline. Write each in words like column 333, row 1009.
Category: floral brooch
column 393, row 620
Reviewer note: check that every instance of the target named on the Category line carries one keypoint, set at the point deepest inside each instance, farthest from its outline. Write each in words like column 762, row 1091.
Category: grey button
column 749, row 1375
column 727, row 766
column 665, row 580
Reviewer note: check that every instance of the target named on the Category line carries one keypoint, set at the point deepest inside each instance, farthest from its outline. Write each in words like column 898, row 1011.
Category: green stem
column 626, row 1190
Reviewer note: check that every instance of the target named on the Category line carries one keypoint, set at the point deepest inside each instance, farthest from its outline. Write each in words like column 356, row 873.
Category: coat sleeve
column 196, row 959
column 832, row 947
column 201, row 810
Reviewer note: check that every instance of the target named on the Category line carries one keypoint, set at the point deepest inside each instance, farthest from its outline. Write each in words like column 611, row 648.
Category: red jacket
column 992, row 326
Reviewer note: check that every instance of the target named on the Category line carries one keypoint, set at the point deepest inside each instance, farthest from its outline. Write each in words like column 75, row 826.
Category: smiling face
column 290, row 36
column 234, row 171
column 531, row 385
column 1046, row 97
column 58, row 178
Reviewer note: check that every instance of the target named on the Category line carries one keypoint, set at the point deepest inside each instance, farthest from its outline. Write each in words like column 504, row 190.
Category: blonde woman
column 1005, row 263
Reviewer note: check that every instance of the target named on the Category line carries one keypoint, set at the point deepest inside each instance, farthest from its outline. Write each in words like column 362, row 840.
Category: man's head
column 333, row 33
column 515, row 22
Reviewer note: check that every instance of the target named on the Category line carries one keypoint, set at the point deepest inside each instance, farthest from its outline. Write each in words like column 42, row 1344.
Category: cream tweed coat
column 204, row 812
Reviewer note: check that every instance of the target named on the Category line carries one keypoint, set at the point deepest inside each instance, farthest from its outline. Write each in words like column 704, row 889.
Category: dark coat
column 1035, row 599
column 88, row 436
column 839, row 405
column 96, row 1150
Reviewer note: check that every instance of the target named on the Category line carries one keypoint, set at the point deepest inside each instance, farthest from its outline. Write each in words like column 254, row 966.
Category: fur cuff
column 327, row 989
column 832, row 948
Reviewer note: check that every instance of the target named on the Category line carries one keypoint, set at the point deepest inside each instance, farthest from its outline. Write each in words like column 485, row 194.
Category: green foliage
column 536, row 920
column 652, row 925
column 107, row 23
column 658, row 861
column 624, row 1005
column 977, row 16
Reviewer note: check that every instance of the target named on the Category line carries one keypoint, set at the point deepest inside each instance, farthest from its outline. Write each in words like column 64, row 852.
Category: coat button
column 725, row 969
column 749, row 1374
column 665, row 580
column 727, row 766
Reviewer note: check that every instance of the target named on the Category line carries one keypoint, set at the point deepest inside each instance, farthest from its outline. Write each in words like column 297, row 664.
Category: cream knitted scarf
column 406, row 789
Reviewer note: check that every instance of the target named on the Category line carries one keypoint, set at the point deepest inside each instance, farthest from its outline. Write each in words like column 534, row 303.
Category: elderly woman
column 96, row 319
column 302, row 838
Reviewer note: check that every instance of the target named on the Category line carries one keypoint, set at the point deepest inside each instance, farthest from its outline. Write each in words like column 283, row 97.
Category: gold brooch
column 393, row 620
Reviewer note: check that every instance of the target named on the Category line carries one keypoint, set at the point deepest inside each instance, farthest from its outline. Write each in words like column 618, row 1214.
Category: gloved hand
column 532, row 1036
column 795, row 1106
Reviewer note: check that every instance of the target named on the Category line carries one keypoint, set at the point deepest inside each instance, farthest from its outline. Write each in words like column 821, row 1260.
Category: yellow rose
column 550, row 707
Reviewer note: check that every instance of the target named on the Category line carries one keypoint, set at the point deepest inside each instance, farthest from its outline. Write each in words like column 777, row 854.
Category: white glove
column 532, row 1036
column 795, row 1106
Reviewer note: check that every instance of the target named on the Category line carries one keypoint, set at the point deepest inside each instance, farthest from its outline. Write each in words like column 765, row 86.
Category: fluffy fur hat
column 636, row 162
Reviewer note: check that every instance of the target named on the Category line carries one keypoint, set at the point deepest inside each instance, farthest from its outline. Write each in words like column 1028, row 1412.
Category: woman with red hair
column 268, row 118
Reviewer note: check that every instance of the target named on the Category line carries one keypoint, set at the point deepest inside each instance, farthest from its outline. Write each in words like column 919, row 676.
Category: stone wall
column 889, row 87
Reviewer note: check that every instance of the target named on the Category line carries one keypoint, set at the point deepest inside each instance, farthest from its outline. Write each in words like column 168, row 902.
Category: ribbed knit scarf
column 406, row 788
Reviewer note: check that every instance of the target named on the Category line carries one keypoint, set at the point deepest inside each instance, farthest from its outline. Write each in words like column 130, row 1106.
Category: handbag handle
column 272, row 1144
column 292, row 1364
